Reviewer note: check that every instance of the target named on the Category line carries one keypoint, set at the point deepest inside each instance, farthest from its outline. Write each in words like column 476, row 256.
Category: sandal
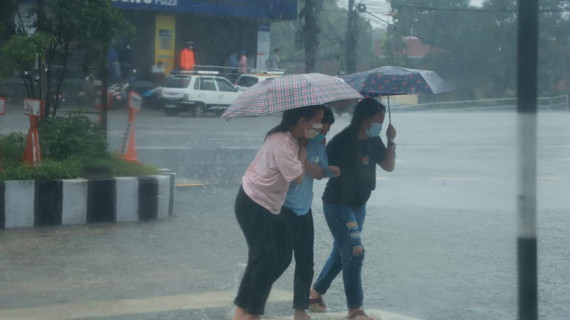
column 359, row 315
column 317, row 305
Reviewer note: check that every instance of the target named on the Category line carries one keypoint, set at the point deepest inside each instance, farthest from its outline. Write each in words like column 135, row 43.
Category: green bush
column 72, row 147
column 12, row 149
column 73, row 135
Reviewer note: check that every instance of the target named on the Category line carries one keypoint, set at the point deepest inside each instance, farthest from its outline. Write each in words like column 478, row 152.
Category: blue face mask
column 319, row 137
column 374, row 130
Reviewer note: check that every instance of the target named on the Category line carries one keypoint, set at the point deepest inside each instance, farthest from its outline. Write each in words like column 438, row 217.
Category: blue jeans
column 345, row 224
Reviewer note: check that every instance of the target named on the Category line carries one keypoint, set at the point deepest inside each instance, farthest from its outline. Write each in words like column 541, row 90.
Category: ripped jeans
column 347, row 255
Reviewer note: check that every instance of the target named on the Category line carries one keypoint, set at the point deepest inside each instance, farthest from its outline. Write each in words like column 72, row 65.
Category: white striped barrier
column 30, row 203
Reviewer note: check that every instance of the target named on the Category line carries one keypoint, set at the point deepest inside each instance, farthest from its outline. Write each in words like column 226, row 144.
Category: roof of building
column 416, row 48
column 256, row 9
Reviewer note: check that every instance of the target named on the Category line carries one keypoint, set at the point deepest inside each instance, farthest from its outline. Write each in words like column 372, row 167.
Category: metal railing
column 555, row 103
column 233, row 72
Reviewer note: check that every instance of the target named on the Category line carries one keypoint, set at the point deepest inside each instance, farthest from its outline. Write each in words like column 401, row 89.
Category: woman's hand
column 334, row 170
column 302, row 153
column 391, row 133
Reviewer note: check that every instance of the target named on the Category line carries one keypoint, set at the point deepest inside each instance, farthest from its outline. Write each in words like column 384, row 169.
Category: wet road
column 440, row 233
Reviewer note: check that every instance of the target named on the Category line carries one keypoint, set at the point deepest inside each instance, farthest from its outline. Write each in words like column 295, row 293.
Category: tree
column 553, row 45
column 61, row 24
column 476, row 47
column 7, row 13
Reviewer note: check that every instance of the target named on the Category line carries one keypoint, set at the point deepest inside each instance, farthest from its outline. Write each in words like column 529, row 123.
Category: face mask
column 374, row 130
column 314, row 131
column 319, row 137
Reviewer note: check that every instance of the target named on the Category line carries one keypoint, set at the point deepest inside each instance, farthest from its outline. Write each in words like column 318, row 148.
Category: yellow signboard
column 165, row 36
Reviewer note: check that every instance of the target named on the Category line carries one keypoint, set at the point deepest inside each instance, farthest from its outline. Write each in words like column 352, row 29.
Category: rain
column 443, row 230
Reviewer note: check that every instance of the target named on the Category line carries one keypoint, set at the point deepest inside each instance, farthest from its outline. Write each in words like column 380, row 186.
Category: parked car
column 197, row 92
column 246, row 80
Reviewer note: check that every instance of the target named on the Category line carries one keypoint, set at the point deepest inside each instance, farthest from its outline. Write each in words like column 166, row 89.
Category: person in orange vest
column 187, row 57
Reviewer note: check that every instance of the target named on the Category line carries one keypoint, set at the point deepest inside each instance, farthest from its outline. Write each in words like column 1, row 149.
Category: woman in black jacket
column 356, row 151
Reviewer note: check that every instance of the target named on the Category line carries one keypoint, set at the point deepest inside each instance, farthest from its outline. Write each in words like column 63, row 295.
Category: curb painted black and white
column 31, row 203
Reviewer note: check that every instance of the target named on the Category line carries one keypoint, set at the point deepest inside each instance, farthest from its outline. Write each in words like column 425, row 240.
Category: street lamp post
column 527, row 54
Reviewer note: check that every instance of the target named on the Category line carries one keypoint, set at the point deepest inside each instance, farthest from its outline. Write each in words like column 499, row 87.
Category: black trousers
column 270, row 252
column 302, row 233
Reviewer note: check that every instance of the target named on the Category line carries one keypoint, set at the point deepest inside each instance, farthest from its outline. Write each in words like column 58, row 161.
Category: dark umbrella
column 389, row 81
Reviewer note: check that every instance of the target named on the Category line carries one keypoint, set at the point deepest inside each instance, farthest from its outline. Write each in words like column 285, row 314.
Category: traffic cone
column 128, row 148
column 130, row 152
column 32, row 152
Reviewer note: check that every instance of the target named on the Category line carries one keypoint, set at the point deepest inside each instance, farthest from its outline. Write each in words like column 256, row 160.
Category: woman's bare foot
column 301, row 314
column 241, row 314
column 316, row 303
column 358, row 314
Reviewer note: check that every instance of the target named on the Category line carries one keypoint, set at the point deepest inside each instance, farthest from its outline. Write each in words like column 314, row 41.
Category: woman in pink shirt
column 280, row 160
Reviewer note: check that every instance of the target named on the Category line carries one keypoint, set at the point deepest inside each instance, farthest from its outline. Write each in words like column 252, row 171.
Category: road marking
column 548, row 178
column 382, row 178
column 190, row 185
column 556, row 146
column 453, row 178
column 375, row 313
column 70, row 311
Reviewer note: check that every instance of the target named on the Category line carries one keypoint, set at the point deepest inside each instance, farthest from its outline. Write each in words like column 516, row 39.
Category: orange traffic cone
column 128, row 150
column 32, row 152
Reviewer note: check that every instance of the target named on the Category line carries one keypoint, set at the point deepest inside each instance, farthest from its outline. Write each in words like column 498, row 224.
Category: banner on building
column 263, row 39
column 165, row 36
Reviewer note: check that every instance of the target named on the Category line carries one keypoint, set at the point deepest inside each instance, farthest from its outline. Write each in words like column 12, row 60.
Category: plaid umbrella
column 290, row 92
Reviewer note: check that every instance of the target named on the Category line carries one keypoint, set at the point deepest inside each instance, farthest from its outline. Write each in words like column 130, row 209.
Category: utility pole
column 351, row 39
column 310, row 33
column 527, row 66
column 104, row 92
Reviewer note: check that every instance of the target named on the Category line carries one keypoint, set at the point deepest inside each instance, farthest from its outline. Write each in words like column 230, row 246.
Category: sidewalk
column 149, row 306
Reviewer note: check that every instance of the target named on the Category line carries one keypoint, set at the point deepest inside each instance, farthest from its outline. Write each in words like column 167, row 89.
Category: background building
column 217, row 28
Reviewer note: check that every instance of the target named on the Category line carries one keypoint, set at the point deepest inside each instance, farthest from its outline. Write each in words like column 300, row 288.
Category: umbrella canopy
column 290, row 92
column 389, row 80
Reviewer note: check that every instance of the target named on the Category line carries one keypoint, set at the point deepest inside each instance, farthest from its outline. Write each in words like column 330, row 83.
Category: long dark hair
column 292, row 116
column 365, row 109
column 328, row 116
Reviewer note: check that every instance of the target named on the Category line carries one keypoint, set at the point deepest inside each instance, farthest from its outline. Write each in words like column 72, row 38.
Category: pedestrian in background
column 114, row 67
column 158, row 72
column 242, row 62
column 279, row 161
column 187, row 61
column 273, row 62
column 297, row 210
column 356, row 151
column 234, row 64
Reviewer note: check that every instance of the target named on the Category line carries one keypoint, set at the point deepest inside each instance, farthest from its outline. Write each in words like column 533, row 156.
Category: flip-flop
column 359, row 315
column 317, row 305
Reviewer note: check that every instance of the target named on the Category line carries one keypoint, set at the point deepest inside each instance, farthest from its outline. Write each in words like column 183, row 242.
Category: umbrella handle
column 389, row 112
column 389, row 115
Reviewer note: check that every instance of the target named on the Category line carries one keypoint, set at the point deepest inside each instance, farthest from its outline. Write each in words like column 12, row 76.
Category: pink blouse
column 276, row 164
